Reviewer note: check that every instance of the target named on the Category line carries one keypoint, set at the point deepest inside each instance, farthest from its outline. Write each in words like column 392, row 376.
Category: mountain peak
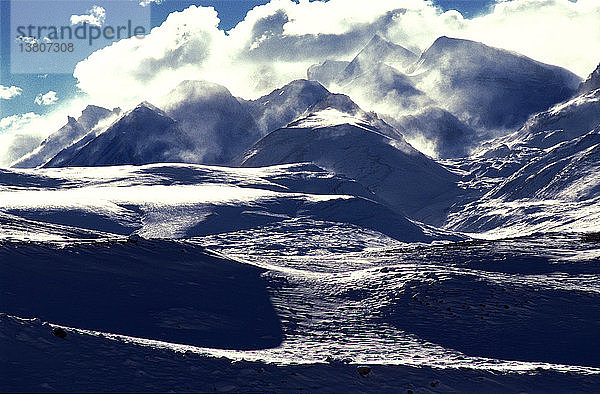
column 443, row 44
column 337, row 101
column 200, row 85
column 303, row 84
column 489, row 87
column 146, row 109
column 93, row 114
column 144, row 105
column 378, row 49
column 591, row 83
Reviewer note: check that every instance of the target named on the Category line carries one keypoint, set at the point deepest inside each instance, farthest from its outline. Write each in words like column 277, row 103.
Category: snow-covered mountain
column 567, row 171
column 141, row 136
column 285, row 104
column 92, row 117
column 394, row 223
column 378, row 50
column 354, row 146
column 542, row 177
column 563, row 122
column 218, row 126
column 489, row 88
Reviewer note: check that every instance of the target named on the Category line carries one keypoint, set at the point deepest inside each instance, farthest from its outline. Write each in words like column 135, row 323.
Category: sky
column 251, row 47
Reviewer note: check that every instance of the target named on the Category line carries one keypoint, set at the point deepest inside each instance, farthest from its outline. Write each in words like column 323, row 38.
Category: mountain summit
column 487, row 87
column 219, row 126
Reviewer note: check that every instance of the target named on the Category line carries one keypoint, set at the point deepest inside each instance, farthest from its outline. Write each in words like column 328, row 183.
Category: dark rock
column 591, row 237
column 59, row 332
column 363, row 370
column 134, row 238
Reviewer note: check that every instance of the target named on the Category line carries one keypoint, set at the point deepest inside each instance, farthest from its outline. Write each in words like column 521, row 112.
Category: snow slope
column 568, row 171
column 591, row 83
column 277, row 328
column 198, row 298
column 182, row 201
column 563, row 122
column 543, row 177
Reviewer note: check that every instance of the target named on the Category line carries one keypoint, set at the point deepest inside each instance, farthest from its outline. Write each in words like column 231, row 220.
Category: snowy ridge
column 591, row 83
column 143, row 135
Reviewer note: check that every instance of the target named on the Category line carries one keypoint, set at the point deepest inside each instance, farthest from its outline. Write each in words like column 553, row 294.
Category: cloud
column 277, row 42
column 559, row 32
column 9, row 92
column 186, row 43
column 145, row 3
column 47, row 98
column 95, row 16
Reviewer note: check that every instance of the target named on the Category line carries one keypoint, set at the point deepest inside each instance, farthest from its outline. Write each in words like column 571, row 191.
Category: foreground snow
column 166, row 315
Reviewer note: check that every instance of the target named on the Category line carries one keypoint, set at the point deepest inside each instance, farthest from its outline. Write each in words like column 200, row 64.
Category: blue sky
column 64, row 84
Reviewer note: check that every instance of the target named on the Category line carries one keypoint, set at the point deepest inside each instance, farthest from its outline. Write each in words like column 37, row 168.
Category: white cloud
column 9, row 92
column 95, row 16
column 47, row 98
column 145, row 3
column 17, row 136
column 138, row 68
column 558, row 32
column 277, row 42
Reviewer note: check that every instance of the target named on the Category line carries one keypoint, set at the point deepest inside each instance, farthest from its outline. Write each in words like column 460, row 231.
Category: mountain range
column 383, row 119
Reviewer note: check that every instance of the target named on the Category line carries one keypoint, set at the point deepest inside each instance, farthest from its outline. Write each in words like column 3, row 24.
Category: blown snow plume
column 283, row 105
column 219, row 127
column 93, row 119
column 374, row 79
column 489, row 88
column 278, row 41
